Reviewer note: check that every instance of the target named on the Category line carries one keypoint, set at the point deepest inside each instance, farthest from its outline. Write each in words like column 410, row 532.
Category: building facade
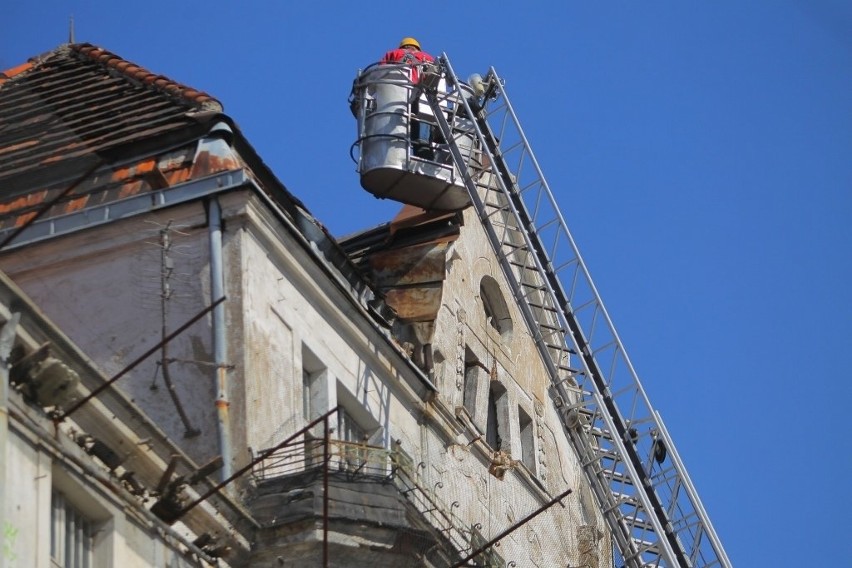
column 280, row 398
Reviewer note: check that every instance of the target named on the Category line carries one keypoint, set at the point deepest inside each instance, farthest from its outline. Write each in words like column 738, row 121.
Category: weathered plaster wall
column 103, row 288
column 511, row 359
column 289, row 307
column 283, row 307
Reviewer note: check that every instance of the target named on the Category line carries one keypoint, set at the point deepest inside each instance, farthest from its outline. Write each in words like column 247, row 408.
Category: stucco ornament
column 461, row 316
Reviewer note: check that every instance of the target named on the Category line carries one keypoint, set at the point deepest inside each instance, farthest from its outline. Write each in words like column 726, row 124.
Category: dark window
column 525, row 425
column 492, row 430
column 313, row 385
column 497, row 421
column 349, row 430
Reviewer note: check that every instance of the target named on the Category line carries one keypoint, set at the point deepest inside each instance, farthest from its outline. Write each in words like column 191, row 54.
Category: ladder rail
column 620, row 530
column 670, row 548
column 612, row 418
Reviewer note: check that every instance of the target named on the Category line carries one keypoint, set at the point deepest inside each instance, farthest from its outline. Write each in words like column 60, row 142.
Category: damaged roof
column 80, row 99
column 407, row 258
column 80, row 126
column 87, row 138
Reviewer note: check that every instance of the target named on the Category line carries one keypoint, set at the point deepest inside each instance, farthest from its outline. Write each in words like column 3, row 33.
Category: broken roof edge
column 121, row 66
column 304, row 221
column 145, row 77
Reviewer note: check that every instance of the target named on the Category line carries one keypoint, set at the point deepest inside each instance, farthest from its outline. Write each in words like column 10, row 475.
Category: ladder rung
column 623, row 499
column 524, row 265
column 540, row 288
column 600, row 433
column 565, row 348
column 542, row 307
column 642, row 524
column 493, row 209
column 618, row 477
column 645, row 546
column 551, row 327
column 512, row 245
column 607, row 455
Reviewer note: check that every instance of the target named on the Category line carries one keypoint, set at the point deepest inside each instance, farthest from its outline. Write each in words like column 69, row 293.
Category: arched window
column 495, row 307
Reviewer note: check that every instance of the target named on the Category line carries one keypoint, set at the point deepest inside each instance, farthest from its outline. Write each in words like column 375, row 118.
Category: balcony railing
column 315, row 450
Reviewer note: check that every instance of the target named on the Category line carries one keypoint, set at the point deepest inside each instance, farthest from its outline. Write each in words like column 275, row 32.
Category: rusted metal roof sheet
column 412, row 279
column 414, row 264
column 407, row 258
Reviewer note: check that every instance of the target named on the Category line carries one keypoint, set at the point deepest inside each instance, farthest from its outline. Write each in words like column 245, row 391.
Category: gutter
column 312, row 238
column 7, row 341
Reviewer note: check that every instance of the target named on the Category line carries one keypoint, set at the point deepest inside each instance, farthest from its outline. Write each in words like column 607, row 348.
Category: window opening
column 348, row 429
column 70, row 534
column 352, row 458
column 525, row 425
column 490, row 316
column 314, row 399
column 495, row 308
column 492, row 429
column 471, row 375
column 306, row 394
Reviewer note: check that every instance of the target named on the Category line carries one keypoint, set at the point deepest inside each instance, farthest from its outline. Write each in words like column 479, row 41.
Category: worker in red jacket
column 409, row 53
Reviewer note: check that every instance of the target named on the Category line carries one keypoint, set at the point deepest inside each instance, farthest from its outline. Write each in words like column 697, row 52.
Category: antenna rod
column 141, row 358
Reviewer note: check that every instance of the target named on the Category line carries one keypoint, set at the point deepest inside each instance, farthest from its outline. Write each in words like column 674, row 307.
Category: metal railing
column 314, row 450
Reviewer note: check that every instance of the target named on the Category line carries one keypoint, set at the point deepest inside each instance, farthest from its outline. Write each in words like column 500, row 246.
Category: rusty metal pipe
column 220, row 346
column 326, row 465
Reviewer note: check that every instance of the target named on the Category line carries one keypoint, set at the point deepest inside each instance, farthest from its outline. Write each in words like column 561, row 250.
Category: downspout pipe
column 220, row 346
column 7, row 340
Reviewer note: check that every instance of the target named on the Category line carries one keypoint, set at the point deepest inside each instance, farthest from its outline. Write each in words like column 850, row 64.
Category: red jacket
column 402, row 55
column 409, row 56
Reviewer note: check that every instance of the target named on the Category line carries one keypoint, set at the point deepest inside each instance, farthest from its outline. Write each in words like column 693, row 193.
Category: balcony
column 327, row 502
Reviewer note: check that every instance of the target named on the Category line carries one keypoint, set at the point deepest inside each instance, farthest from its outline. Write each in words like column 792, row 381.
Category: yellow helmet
column 410, row 41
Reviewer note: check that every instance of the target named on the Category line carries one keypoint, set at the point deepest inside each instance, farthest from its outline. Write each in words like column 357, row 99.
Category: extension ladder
column 646, row 496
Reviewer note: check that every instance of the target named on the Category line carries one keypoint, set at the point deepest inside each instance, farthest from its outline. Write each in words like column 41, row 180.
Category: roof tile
column 140, row 74
column 9, row 73
column 77, row 109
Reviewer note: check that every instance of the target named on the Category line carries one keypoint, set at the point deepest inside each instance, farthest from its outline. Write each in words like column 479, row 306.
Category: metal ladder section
column 646, row 496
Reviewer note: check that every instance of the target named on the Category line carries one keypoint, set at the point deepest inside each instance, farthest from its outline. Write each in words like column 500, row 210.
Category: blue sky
column 702, row 151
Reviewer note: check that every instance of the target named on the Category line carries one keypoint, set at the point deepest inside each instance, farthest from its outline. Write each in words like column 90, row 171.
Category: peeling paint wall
column 282, row 305
column 289, row 305
column 103, row 288
column 506, row 355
